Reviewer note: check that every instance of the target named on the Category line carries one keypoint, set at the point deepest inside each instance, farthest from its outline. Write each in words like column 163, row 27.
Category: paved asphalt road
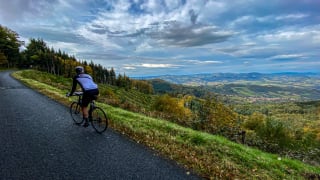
column 39, row 141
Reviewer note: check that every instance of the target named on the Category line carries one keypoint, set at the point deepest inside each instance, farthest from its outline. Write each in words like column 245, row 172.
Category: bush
column 255, row 121
column 173, row 108
column 275, row 132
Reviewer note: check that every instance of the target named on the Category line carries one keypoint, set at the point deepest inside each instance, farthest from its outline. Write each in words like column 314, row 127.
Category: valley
column 252, row 87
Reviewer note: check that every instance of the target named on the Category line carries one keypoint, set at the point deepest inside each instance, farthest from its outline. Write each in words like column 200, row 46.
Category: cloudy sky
column 156, row 37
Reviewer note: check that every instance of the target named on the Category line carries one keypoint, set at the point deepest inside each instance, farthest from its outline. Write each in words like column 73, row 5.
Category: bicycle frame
column 91, row 108
column 91, row 104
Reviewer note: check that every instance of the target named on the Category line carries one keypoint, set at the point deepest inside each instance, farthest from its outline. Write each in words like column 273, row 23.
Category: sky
column 175, row 37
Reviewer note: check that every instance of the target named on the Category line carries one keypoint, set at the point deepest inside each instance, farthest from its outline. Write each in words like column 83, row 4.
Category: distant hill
column 208, row 79
column 255, row 86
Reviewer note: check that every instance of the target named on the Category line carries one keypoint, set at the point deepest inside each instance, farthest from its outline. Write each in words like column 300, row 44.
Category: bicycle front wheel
column 99, row 120
column 75, row 111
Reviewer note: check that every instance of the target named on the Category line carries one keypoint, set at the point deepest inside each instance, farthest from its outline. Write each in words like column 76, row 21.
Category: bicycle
column 97, row 116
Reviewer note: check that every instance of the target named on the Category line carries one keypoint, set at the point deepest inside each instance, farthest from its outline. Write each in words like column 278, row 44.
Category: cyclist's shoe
column 86, row 123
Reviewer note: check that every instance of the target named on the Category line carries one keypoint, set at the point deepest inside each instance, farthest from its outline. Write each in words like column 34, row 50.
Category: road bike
column 97, row 116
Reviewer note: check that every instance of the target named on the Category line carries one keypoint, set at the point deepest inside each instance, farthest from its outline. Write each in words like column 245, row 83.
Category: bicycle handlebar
column 75, row 94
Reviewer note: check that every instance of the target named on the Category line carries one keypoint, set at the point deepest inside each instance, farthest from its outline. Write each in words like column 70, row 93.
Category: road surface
column 39, row 141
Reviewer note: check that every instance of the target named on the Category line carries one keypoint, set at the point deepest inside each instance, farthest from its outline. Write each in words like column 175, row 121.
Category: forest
column 38, row 55
column 288, row 128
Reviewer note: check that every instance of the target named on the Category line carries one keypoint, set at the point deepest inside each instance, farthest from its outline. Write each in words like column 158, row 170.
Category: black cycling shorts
column 88, row 96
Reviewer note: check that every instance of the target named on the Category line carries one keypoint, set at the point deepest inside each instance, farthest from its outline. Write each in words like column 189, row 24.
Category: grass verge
column 210, row 156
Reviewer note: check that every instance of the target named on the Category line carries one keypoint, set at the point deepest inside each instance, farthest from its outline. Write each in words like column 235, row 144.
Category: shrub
column 255, row 121
column 173, row 108
column 275, row 132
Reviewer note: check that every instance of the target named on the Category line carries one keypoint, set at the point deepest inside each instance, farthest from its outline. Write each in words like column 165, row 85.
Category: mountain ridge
column 182, row 79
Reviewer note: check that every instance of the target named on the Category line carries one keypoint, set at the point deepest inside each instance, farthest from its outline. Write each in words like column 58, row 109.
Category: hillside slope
column 208, row 155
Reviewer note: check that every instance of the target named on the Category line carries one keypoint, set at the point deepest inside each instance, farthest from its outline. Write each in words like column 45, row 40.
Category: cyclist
column 89, row 88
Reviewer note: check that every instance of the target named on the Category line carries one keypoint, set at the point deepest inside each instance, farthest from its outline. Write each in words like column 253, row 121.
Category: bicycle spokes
column 75, row 111
column 99, row 120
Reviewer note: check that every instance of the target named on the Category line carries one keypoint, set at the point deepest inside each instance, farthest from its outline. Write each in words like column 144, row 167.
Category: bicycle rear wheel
column 75, row 111
column 99, row 120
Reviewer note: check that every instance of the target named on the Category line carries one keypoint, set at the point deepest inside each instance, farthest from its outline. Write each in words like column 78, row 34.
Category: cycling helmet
column 79, row 69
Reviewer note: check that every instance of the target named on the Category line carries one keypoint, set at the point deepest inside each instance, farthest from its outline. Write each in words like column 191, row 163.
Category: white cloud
column 250, row 20
column 172, row 4
column 152, row 6
column 212, row 62
column 283, row 36
column 159, row 65
column 287, row 57
column 250, row 50
column 242, row 20
column 129, row 67
column 294, row 37
column 143, row 47
column 99, row 39
column 121, row 5
column 203, row 62
column 72, row 48
column 292, row 16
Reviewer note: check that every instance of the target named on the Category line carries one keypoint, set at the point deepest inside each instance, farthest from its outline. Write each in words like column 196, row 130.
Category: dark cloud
column 105, row 30
column 98, row 29
column 194, row 35
column 193, row 16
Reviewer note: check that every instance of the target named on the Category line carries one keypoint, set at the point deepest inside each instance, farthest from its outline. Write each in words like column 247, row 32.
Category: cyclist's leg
column 85, row 102
column 85, row 112
column 92, row 95
column 88, row 96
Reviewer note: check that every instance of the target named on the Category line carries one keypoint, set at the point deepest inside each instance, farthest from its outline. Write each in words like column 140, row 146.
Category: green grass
column 210, row 156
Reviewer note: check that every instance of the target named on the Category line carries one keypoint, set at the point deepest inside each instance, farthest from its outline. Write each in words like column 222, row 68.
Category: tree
column 255, row 121
column 215, row 117
column 3, row 60
column 106, row 76
column 46, row 59
column 173, row 108
column 142, row 86
column 35, row 52
column 112, row 77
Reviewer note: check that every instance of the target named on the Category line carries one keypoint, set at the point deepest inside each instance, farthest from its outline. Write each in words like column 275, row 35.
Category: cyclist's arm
column 74, row 85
